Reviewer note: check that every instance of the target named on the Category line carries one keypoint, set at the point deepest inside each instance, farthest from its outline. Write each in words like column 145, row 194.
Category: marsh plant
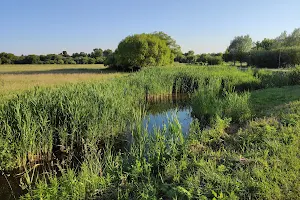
column 85, row 121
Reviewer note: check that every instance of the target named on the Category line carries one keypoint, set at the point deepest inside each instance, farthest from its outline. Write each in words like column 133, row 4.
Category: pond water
column 160, row 112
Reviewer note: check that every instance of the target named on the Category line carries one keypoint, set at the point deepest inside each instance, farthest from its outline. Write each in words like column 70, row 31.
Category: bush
column 210, row 59
column 215, row 60
column 142, row 50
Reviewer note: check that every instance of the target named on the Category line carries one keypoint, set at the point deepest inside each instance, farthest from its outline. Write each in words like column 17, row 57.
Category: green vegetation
column 159, row 49
column 275, row 58
column 281, row 52
column 239, row 47
column 15, row 79
column 84, row 125
column 98, row 56
column 144, row 50
column 266, row 101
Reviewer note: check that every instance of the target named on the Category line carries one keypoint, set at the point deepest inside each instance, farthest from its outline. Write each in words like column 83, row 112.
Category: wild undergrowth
column 84, row 122
column 38, row 123
column 259, row 162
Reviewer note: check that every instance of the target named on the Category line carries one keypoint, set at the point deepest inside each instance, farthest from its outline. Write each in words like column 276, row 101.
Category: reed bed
column 84, row 122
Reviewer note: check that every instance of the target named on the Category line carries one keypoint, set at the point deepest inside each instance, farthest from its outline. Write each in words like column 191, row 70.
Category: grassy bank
column 85, row 121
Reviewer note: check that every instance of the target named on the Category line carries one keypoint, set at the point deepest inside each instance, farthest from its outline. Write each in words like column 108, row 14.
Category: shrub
column 142, row 50
column 214, row 60
column 236, row 106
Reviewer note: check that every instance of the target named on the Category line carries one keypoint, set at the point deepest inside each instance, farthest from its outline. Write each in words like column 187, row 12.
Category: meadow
column 19, row 78
column 85, row 139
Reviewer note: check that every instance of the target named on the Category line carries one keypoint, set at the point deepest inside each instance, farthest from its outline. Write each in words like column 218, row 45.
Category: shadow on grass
column 64, row 71
column 264, row 101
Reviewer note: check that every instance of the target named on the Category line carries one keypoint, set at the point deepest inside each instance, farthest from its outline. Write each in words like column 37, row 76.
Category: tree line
column 158, row 49
column 200, row 59
column 97, row 56
column 155, row 49
column 282, row 51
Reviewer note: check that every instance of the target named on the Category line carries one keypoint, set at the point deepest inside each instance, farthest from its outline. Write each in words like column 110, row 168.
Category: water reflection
column 162, row 110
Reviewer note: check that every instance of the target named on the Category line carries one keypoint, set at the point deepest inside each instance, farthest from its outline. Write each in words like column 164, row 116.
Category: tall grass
column 213, row 100
column 207, row 164
column 83, row 121
column 37, row 123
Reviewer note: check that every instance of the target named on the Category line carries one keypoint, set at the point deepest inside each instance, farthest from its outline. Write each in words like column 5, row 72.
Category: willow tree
column 239, row 47
column 142, row 50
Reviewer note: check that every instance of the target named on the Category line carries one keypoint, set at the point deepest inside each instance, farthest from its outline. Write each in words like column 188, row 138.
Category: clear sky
column 51, row 26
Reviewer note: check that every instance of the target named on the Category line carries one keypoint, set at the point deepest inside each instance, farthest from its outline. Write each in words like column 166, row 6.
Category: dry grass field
column 17, row 78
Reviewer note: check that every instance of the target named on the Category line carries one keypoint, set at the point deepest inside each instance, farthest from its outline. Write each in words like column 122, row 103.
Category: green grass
column 86, row 120
column 15, row 79
column 266, row 100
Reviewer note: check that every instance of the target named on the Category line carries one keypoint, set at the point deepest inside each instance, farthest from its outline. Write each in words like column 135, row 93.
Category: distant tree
column 190, row 53
column 81, row 60
column 107, row 52
column 100, row 60
column 190, row 57
column 6, row 61
column 65, row 54
column 43, row 58
column 60, row 61
column 75, row 55
column 280, row 41
column 111, row 60
column 84, row 60
column 69, row 60
column 175, row 48
column 180, row 58
column 97, row 53
column 142, row 50
column 31, row 59
column 92, row 60
column 8, row 58
column 239, row 47
column 266, row 44
column 83, row 54
column 293, row 39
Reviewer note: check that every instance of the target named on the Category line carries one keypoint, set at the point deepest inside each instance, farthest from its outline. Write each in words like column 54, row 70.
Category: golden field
column 17, row 78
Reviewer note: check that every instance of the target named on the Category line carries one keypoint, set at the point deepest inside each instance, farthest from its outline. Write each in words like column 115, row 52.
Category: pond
column 162, row 111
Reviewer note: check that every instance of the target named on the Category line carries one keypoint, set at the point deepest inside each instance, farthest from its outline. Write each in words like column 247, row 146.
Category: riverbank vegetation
column 93, row 137
column 86, row 137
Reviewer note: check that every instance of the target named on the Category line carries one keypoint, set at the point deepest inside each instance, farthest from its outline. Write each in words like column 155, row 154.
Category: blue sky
column 51, row 26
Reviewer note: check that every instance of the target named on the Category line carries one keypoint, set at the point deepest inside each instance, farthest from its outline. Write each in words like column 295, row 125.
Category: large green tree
column 175, row 48
column 239, row 47
column 142, row 50
column 293, row 39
